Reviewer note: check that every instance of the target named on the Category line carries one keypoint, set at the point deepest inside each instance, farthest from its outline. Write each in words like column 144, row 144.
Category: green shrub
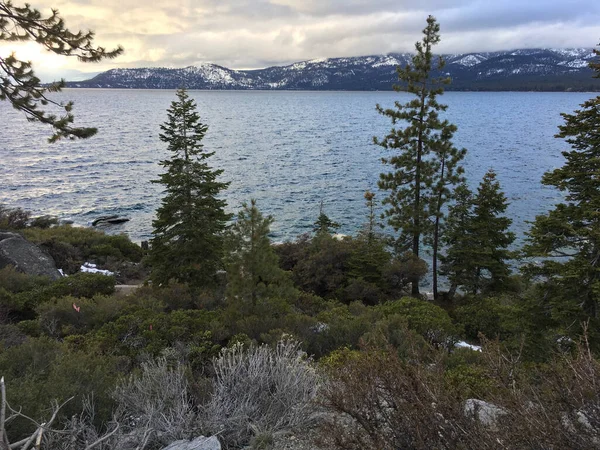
column 427, row 319
column 40, row 371
column 494, row 317
column 15, row 282
column 59, row 318
column 79, row 285
column 13, row 218
column 469, row 381
column 338, row 327
column 77, row 244
column 43, row 222
column 149, row 332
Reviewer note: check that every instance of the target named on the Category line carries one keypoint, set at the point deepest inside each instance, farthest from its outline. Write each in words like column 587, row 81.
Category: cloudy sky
column 244, row 34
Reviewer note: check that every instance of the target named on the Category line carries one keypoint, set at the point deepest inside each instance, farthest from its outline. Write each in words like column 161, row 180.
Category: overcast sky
column 243, row 34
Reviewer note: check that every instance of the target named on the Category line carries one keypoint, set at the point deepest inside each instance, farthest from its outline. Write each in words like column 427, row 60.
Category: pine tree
column 324, row 224
column 18, row 83
column 369, row 255
column 448, row 174
column 478, row 238
column 427, row 162
column 188, row 232
column 491, row 236
column 458, row 239
column 568, row 236
column 253, row 270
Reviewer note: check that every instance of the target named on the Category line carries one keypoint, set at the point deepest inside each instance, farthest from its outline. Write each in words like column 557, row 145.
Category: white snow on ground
column 91, row 268
column 463, row 344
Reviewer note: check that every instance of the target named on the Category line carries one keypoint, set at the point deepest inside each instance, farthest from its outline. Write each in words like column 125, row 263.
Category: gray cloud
column 258, row 33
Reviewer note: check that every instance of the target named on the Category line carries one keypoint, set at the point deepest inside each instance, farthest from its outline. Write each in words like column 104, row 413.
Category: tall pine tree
column 427, row 163
column 188, row 231
column 568, row 237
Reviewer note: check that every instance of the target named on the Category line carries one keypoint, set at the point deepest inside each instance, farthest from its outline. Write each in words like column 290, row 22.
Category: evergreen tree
column 427, row 162
column 448, row 174
column 568, row 236
column 456, row 263
column 324, row 224
column 478, row 238
column 369, row 255
column 188, row 232
column 18, row 83
column 253, row 270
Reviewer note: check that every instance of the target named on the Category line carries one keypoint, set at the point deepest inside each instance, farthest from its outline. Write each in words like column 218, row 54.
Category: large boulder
column 200, row 443
column 26, row 257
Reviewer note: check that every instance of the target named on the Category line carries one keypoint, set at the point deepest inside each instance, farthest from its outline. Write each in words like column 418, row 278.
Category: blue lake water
column 288, row 150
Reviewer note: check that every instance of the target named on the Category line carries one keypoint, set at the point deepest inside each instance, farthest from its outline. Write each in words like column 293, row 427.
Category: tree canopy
column 18, row 83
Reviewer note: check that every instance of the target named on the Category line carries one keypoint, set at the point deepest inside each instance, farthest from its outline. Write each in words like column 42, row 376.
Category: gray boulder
column 200, row 443
column 486, row 413
column 26, row 257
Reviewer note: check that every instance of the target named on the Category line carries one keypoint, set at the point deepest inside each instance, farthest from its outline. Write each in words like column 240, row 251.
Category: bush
column 59, row 318
column 13, row 218
column 380, row 400
column 40, row 371
column 145, row 331
column 15, row 302
column 492, row 316
column 427, row 319
column 43, row 222
column 75, row 244
column 155, row 404
column 79, row 285
column 260, row 390
column 15, row 282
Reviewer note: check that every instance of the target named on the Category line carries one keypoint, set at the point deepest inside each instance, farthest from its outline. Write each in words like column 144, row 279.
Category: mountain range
column 516, row 70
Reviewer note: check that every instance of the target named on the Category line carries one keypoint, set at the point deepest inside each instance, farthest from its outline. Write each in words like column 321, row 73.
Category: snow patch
column 91, row 268
column 463, row 344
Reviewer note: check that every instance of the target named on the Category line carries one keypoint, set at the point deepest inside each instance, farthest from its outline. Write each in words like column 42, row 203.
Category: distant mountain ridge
column 519, row 70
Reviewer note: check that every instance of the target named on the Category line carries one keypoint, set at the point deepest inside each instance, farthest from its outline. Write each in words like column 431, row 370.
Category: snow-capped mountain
column 526, row 69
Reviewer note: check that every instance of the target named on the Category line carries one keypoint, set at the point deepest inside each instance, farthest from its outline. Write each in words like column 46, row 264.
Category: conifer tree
column 253, row 272
column 369, row 254
column 448, row 174
column 568, row 236
column 456, row 263
column 18, row 83
column 478, row 238
column 418, row 185
column 323, row 223
column 188, row 231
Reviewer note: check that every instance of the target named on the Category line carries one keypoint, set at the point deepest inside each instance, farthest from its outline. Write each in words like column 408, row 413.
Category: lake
column 289, row 150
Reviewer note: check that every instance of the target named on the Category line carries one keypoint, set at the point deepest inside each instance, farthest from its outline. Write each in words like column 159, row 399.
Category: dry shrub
column 80, row 433
column 155, row 404
column 379, row 400
column 260, row 390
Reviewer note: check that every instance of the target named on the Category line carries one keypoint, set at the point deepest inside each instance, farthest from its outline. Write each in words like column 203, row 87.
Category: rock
column 200, row 443
column 26, row 257
column 112, row 220
column 486, row 413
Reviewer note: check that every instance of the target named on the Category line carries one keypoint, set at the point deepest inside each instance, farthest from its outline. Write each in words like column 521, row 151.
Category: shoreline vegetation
column 325, row 342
